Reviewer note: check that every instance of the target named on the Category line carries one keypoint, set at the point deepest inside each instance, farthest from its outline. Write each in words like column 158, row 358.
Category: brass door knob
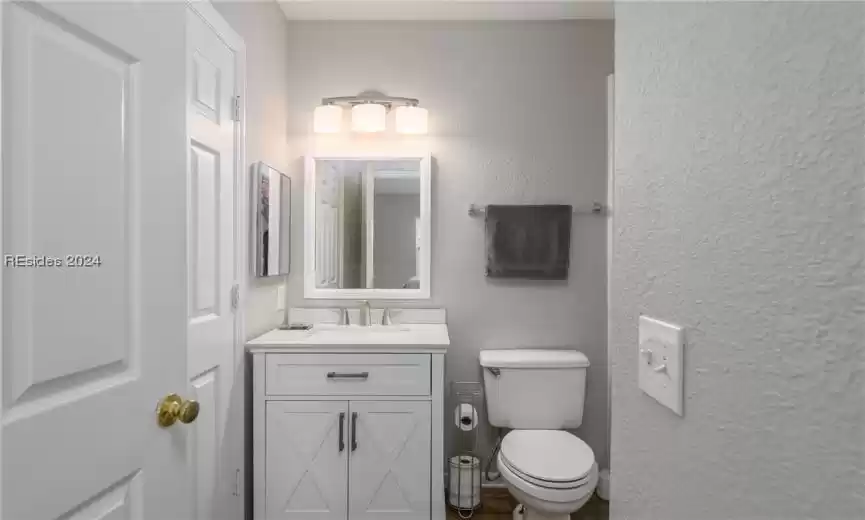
column 173, row 408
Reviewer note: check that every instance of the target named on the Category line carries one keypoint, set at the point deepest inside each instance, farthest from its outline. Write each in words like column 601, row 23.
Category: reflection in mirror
column 272, row 221
column 368, row 231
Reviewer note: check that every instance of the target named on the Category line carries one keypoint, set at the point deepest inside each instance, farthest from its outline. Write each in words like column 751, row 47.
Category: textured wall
column 517, row 115
column 740, row 165
column 264, row 30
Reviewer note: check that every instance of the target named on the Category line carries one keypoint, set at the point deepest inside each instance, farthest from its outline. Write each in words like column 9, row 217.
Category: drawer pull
column 353, row 431
column 348, row 375
column 341, row 431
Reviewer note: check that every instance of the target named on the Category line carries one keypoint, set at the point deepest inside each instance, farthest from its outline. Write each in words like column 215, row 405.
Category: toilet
column 537, row 395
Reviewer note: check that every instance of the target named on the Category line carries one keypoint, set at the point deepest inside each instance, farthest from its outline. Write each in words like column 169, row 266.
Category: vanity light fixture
column 327, row 119
column 369, row 114
column 367, row 118
column 411, row 119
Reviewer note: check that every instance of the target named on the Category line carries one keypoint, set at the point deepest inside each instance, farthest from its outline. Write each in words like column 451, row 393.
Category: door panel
column 328, row 249
column 93, row 126
column 212, row 272
column 120, row 502
column 307, row 465
column 389, row 474
column 204, row 448
column 204, row 234
column 97, row 79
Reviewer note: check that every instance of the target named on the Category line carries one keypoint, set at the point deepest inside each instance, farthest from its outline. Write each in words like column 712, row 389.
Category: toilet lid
column 548, row 455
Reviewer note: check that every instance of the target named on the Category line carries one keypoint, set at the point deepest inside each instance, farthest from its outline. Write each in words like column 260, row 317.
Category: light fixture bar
column 369, row 114
column 388, row 101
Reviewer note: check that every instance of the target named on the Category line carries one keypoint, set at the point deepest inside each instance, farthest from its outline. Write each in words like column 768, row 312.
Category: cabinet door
column 389, row 471
column 307, row 460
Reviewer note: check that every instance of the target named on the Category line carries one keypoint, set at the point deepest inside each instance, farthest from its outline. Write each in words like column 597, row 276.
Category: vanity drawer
column 347, row 374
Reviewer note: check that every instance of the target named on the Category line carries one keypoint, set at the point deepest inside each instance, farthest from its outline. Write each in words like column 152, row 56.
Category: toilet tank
column 534, row 389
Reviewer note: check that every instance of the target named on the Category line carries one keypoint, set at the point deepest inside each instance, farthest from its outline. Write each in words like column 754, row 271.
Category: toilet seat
column 545, row 494
column 545, row 483
column 552, row 459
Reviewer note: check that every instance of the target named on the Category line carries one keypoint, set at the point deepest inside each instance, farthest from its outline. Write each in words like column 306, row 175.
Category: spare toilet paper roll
column 466, row 417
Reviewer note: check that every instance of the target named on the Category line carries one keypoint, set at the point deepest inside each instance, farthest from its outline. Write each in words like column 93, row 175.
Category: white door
column 389, row 471
column 328, row 252
column 93, row 121
column 213, row 138
column 327, row 247
column 307, row 460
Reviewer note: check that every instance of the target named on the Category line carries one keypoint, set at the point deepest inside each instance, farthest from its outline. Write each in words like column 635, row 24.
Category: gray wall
column 517, row 115
column 264, row 29
column 394, row 249
column 740, row 209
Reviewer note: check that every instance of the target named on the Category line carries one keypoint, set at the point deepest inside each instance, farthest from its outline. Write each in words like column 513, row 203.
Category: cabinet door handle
column 341, row 431
column 348, row 375
column 353, row 431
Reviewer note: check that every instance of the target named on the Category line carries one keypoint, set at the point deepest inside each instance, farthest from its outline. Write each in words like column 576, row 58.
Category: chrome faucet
column 365, row 319
column 365, row 315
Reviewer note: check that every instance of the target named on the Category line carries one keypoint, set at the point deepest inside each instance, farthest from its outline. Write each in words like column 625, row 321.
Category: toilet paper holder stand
column 464, row 463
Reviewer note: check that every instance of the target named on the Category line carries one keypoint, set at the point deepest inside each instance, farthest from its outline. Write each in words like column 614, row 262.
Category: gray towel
column 531, row 242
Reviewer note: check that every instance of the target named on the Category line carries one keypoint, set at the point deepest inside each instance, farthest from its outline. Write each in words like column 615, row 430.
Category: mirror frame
column 310, row 290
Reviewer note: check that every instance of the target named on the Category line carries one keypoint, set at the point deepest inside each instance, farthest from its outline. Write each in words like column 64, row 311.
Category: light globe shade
column 368, row 117
column 411, row 120
column 327, row 119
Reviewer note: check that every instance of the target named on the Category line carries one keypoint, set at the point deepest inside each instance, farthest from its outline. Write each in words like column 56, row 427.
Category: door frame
column 611, row 213
column 205, row 10
column 2, row 247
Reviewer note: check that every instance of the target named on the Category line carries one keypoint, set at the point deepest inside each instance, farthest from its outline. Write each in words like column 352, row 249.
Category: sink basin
column 331, row 334
column 359, row 329
column 360, row 333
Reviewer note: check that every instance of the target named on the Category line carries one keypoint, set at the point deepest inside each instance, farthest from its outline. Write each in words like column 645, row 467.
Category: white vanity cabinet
column 347, row 432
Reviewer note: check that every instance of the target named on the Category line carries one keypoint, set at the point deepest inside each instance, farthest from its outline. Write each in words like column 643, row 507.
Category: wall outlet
column 280, row 297
column 661, row 364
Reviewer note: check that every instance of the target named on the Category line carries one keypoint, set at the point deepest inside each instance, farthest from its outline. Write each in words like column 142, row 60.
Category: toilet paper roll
column 464, row 491
column 465, row 417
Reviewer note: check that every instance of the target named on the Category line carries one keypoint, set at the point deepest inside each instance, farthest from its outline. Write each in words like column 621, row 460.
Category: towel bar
column 595, row 209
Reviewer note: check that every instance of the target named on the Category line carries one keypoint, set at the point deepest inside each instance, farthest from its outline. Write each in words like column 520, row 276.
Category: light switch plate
column 660, row 352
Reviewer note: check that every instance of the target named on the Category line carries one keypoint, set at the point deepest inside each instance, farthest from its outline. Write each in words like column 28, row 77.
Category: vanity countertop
column 413, row 337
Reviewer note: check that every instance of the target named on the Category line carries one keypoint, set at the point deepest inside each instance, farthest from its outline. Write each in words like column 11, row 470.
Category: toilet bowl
column 551, row 472
column 538, row 395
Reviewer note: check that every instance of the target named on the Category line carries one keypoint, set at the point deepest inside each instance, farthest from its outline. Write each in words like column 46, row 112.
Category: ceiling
column 446, row 9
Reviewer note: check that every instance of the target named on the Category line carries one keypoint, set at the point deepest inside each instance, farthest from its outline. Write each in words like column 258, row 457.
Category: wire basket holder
column 465, row 461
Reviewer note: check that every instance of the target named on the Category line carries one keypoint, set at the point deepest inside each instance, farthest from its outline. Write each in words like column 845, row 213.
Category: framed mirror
column 367, row 227
column 271, row 221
